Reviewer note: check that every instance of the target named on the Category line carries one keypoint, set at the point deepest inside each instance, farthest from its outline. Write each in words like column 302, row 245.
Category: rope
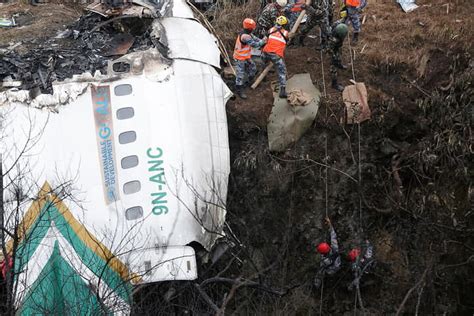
column 322, row 73
column 321, row 298
column 352, row 60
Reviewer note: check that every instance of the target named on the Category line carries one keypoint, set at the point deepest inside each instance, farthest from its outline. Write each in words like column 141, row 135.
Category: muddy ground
column 414, row 200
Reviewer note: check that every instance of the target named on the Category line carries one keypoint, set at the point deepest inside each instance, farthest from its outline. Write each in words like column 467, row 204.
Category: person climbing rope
column 338, row 34
column 274, row 51
column 330, row 259
column 354, row 8
column 269, row 14
column 243, row 55
column 360, row 264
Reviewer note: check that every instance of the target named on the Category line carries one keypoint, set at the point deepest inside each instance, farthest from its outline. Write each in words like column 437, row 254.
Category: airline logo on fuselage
column 104, row 135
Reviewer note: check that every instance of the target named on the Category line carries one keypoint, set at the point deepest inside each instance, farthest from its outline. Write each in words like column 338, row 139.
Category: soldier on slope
column 243, row 55
column 338, row 34
column 330, row 259
column 269, row 15
column 318, row 14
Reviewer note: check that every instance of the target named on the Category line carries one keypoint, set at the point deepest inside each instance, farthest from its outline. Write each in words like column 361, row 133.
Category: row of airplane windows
column 131, row 187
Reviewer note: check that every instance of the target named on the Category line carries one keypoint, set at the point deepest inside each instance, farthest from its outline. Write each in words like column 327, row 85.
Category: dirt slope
column 418, row 70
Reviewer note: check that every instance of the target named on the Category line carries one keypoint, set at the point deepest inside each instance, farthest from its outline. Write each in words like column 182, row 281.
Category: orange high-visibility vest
column 276, row 41
column 353, row 3
column 297, row 6
column 242, row 51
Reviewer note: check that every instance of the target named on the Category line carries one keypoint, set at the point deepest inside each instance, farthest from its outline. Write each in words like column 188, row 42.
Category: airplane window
column 127, row 137
column 134, row 213
column 129, row 162
column 125, row 113
column 132, row 187
column 123, row 89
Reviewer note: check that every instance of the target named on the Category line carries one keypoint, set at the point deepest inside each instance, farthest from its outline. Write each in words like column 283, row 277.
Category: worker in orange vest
column 274, row 51
column 353, row 8
column 243, row 55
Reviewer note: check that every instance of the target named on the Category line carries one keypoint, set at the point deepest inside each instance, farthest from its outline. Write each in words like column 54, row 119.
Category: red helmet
column 323, row 248
column 249, row 24
column 353, row 254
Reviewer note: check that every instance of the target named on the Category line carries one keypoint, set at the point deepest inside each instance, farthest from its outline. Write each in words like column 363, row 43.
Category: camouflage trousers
column 314, row 20
column 280, row 64
column 335, row 61
column 292, row 17
column 353, row 17
column 241, row 68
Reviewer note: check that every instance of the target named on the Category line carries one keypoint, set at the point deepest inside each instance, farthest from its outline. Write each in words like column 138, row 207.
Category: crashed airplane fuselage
column 121, row 172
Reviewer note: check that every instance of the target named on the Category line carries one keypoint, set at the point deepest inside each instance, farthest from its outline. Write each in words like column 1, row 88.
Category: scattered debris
column 78, row 50
column 407, row 5
column 355, row 99
column 6, row 22
column 288, row 123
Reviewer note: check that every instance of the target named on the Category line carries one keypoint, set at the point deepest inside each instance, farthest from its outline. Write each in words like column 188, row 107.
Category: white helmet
column 282, row 3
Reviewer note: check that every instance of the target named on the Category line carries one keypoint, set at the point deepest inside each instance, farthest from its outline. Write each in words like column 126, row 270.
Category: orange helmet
column 323, row 248
column 353, row 254
column 249, row 24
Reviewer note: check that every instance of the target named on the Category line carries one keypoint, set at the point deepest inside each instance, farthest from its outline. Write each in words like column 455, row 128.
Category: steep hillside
column 415, row 155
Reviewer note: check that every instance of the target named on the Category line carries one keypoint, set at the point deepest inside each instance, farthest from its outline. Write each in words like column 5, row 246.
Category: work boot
column 355, row 38
column 240, row 92
column 282, row 93
column 336, row 85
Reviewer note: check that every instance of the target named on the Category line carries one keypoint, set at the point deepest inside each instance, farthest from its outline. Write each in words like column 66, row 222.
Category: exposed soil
column 414, row 200
column 277, row 201
column 35, row 22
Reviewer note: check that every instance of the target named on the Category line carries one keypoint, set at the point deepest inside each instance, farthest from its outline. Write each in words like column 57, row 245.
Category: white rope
column 321, row 298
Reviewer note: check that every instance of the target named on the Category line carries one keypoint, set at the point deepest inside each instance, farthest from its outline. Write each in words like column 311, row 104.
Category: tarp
column 407, row 5
column 287, row 123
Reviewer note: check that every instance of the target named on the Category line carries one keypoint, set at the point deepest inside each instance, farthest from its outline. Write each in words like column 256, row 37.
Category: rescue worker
column 296, row 6
column 338, row 34
column 330, row 259
column 318, row 14
column 274, row 51
column 353, row 8
column 243, row 55
column 269, row 14
column 360, row 265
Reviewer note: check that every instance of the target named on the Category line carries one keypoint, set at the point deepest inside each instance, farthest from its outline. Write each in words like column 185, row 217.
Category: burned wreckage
column 115, row 132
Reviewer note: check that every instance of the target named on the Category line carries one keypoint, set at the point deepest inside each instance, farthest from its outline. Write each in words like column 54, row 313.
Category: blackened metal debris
column 77, row 50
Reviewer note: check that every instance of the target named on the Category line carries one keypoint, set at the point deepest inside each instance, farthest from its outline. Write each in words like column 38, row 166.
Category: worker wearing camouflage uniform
column 330, row 259
column 338, row 34
column 296, row 6
column 318, row 14
column 243, row 55
column 274, row 51
column 269, row 15
column 360, row 264
column 353, row 8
